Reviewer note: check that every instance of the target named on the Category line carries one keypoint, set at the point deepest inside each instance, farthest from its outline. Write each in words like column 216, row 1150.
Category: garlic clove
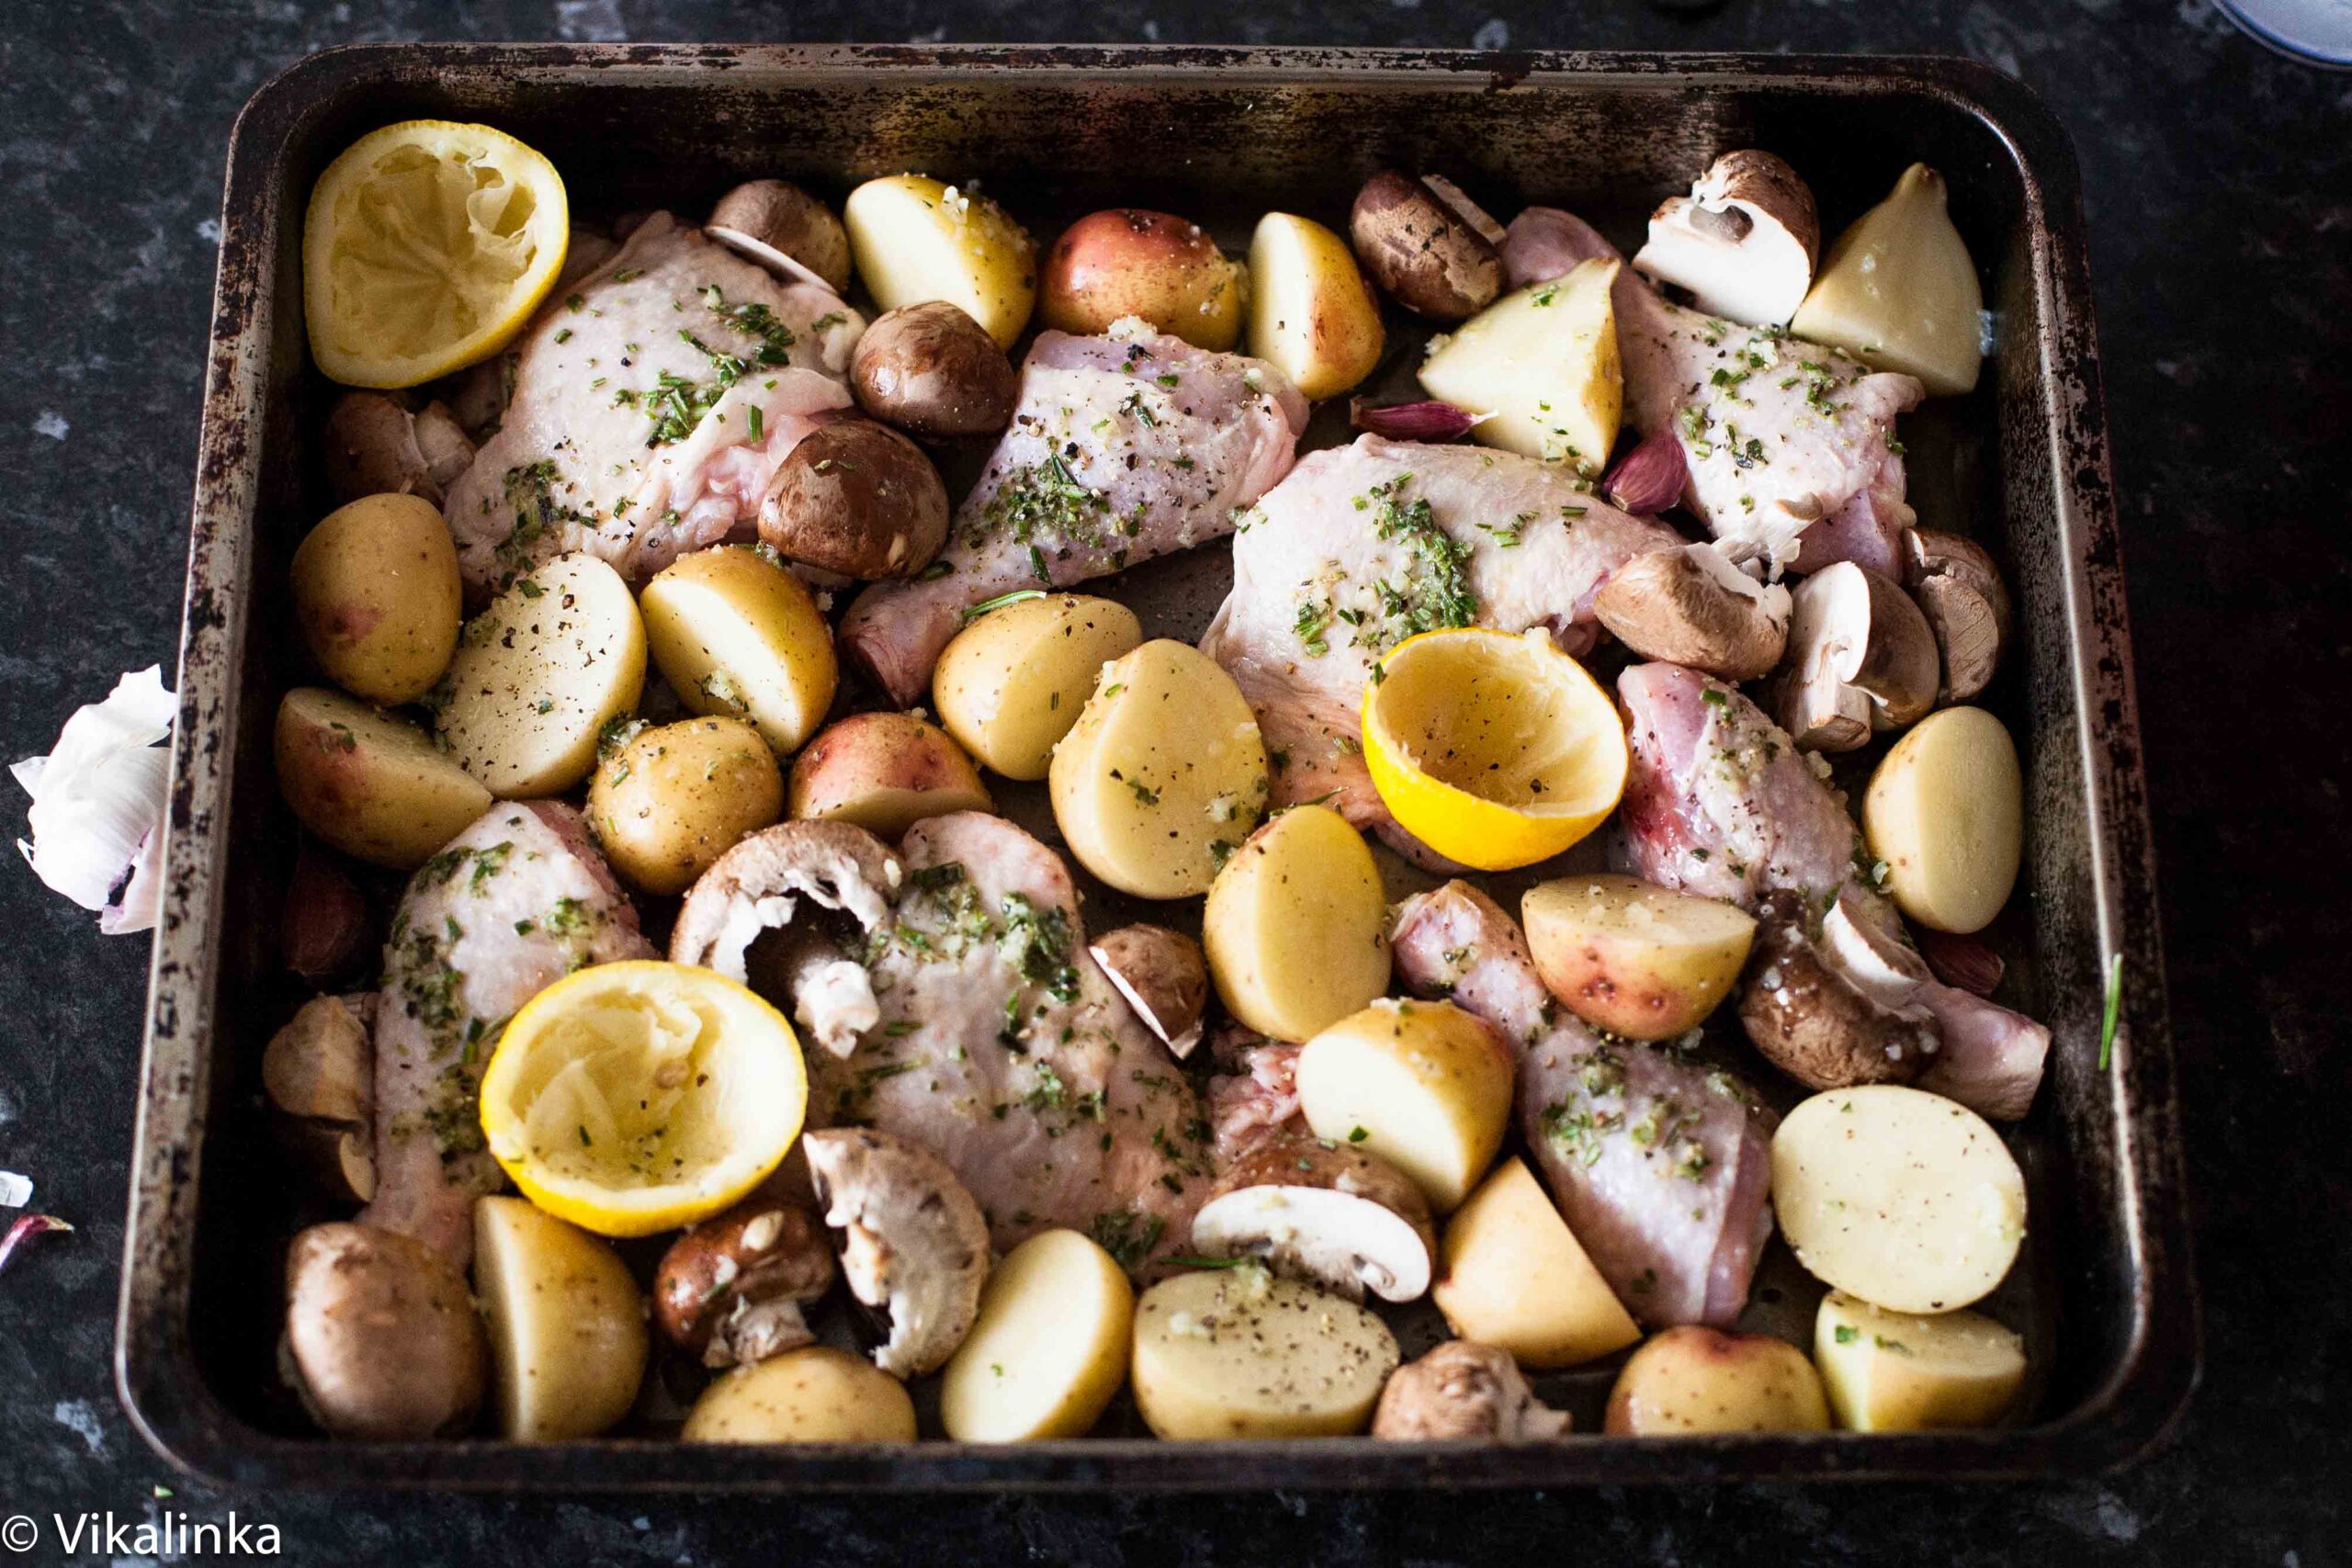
column 1651, row 477
column 1426, row 421
column 98, row 803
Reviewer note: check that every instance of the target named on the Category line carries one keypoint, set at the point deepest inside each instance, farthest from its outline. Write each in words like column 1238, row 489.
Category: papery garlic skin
column 98, row 796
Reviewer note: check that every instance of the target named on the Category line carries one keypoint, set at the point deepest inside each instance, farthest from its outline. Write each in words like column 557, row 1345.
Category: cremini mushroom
column 1421, row 250
column 1817, row 1001
column 1691, row 606
column 1458, row 202
column 784, row 229
column 1744, row 241
column 376, row 445
column 731, row 1289
column 1860, row 658
column 855, row 497
column 1959, row 590
column 914, row 1245
column 1464, row 1389
column 318, row 1074
column 1164, row 976
column 1324, row 1212
column 381, row 1337
column 932, row 371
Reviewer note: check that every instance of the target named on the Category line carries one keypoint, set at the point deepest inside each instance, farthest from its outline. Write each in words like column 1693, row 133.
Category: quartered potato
column 1893, row 1371
column 368, row 784
column 1425, row 1086
column 1633, row 958
column 1700, row 1380
column 735, row 633
column 1015, row 680
column 917, row 239
column 1900, row 1197
column 557, row 657
column 1313, row 315
column 1236, row 1353
column 813, row 1394
column 376, row 594
column 1946, row 812
column 666, row 802
column 1163, row 774
column 884, row 772
column 1898, row 290
column 1297, row 926
column 1542, row 363
column 566, row 1323
column 1050, row 1346
column 1511, row 1274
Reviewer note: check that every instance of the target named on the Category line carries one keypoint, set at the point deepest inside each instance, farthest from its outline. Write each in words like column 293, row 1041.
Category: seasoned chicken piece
column 1122, row 448
column 1791, row 446
column 1661, row 1166
column 1719, row 802
column 1253, row 1094
column 514, row 904
column 1363, row 545
column 652, row 404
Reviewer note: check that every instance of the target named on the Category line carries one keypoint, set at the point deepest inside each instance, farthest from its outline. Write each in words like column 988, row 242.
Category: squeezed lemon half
column 1494, row 750
column 638, row 1097
column 426, row 247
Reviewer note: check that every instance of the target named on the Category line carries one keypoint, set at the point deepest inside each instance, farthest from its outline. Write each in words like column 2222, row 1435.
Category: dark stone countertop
column 2219, row 182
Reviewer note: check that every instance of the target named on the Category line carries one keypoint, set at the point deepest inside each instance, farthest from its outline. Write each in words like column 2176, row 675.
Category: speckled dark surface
column 2219, row 184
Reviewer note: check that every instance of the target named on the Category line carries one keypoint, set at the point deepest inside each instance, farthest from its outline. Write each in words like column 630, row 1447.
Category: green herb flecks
column 2112, row 1014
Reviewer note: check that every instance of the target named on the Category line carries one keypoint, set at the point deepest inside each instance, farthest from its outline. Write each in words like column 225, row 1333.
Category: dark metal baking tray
column 1219, row 134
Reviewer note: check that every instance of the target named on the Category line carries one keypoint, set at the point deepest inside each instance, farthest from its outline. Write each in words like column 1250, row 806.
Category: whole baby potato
column 884, row 771
column 813, row 1394
column 377, row 597
column 1013, row 681
column 1690, row 1379
column 371, row 786
column 667, row 801
column 857, row 498
column 931, row 370
column 1128, row 262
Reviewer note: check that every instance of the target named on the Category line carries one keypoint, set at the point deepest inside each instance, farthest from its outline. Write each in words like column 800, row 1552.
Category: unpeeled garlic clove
column 1899, row 290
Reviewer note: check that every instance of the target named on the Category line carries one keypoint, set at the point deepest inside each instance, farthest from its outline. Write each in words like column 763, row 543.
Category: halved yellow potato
column 916, row 239
column 1541, row 363
column 1296, row 925
column 1425, row 1086
column 557, row 657
column 1632, row 957
column 1893, row 1371
column 813, row 1394
column 1946, row 812
column 667, row 801
column 1049, row 1348
column 1700, row 1380
column 566, row 1323
column 884, row 772
column 736, row 634
column 1015, row 680
column 376, row 594
column 1511, row 1274
column 1163, row 776
column 369, row 784
column 1313, row 314
column 1900, row 1197
column 1236, row 1353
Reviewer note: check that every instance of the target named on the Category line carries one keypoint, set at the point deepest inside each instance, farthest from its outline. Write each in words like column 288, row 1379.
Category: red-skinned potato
column 1637, row 960
column 1691, row 1379
column 884, row 771
column 1128, row 262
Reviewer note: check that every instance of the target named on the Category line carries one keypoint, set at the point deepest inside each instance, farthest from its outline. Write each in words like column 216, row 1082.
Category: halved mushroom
column 1421, row 250
column 914, row 1245
column 381, row 1339
column 1691, row 606
column 1959, row 590
column 788, row 878
column 731, row 1289
column 1860, row 658
column 1809, row 1004
column 1462, row 1389
column 1744, row 241
column 1457, row 201
column 376, row 445
column 1164, row 976
column 785, row 230
column 1324, row 1213
column 318, row 1075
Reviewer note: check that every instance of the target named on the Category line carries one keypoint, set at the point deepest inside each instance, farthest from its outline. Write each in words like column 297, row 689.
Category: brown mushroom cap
column 1164, row 976
column 784, row 229
column 1967, row 606
column 1462, row 1389
column 1691, row 606
column 730, row 1288
column 856, row 497
column 381, row 1339
column 1803, row 1008
column 1326, row 1212
column 1860, row 658
column 1422, row 252
column 932, row 370
column 1744, row 241
column 318, row 1074
column 914, row 1243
